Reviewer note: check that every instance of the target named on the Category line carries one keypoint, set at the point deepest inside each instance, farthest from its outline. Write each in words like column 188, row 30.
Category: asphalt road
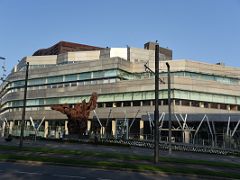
column 38, row 171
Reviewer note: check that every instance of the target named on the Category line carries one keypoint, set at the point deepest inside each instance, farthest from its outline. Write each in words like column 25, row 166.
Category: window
column 195, row 103
column 98, row 74
column 118, row 104
column 109, row 104
column 223, row 106
column 18, row 83
column 100, row 105
column 127, row 103
column 37, row 81
column 55, row 79
column 146, row 103
column 86, row 75
column 71, row 77
column 136, row 103
column 214, row 105
column 110, row 73
column 185, row 103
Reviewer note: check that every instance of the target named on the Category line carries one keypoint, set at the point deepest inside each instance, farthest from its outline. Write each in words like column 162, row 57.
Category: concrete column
column 10, row 127
column 190, row 103
column 186, row 136
column 46, row 129
column 228, row 107
column 180, row 102
column 102, row 131
column 66, row 127
column 161, row 103
column 141, row 103
column 3, row 128
column 174, row 102
column 114, row 128
column 209, row 105
column 141, row 129
column 151, row 103
column 89, row 122
column 218, row 106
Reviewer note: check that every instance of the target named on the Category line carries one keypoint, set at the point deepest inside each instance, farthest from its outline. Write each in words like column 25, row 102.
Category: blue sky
column 205, row 30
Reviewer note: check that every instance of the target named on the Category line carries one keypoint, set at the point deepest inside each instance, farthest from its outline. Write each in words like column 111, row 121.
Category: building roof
column 62, row 47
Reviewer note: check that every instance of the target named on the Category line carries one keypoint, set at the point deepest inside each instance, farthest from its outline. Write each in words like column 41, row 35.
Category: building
column 205, row 97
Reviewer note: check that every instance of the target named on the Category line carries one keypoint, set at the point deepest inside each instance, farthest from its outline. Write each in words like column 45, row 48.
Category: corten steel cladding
column 77, row 115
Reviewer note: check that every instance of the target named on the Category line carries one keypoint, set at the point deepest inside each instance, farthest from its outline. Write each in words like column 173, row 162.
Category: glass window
column 109, row 104
column 71, row 77
column 99, row 105
column 146, row 103
column 37, row 81
column 17, row 103
column 127, row 103
column 136, row 103
column 98, row 74
column 18, row 83
column 86, row 75
column 137, row 95
column 33, row 102
column 127, row 96
column 110, row 73
column 52, row 101
column 55, row 79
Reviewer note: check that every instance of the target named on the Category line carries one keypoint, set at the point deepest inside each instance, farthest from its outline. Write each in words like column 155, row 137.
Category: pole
column 169, row 112
column 156, row 112
column 24, row 107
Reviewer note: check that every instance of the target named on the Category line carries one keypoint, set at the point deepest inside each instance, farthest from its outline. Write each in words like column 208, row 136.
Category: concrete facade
column 124, row 87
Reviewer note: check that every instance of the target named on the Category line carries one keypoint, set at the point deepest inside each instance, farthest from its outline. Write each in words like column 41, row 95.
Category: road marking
column 68, row 176
column 24, row 172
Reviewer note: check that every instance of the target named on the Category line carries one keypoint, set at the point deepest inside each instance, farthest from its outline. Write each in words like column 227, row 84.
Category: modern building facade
column 205, row 98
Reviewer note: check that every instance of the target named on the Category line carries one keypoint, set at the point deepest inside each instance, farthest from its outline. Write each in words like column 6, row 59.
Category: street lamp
column 169, row 112
column 24, row 106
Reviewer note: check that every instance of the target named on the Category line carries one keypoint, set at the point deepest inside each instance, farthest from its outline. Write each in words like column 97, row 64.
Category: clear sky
column 205, row 30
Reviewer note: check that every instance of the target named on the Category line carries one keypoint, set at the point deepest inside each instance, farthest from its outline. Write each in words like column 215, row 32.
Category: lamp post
column 24, row 106
column 169, row 112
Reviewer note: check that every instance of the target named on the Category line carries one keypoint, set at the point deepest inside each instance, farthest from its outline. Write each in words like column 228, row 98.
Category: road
column 38, row 171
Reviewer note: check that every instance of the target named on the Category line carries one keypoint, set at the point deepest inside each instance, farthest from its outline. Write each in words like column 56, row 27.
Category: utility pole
column 169, row 112
column 24, row 107
column 156, row 112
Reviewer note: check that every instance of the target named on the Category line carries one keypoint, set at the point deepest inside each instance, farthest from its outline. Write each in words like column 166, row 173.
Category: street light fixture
column 24, row 106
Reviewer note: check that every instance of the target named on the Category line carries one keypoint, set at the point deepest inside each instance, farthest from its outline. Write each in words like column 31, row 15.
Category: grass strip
column 120, row 165
column 129, row 157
